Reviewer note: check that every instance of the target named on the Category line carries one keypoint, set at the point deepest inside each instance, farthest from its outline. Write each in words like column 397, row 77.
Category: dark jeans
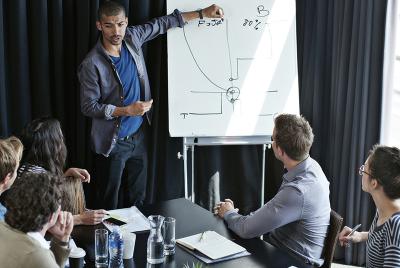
column 121, row 177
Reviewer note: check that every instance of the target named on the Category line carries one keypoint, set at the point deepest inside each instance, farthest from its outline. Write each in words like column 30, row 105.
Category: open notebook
column 213, row 245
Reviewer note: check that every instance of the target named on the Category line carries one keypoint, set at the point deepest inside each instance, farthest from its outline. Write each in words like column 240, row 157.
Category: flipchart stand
column 191, row 142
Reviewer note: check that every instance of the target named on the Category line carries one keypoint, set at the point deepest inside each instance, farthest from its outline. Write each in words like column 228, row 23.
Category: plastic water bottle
column 116, row 248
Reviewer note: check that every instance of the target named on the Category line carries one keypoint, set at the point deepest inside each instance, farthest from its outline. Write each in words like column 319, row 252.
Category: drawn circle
column 232, row 94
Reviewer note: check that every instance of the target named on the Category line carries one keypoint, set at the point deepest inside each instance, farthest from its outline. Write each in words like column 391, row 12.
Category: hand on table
column 90, row 217
column 222, row 207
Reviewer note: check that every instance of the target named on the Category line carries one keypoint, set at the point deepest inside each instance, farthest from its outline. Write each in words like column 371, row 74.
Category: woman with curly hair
column 45, row 151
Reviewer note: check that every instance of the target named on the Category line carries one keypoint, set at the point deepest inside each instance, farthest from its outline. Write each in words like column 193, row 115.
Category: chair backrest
column 335, row 224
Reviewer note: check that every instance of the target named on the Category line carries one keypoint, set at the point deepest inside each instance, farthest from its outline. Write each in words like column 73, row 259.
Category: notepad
column 212, row 244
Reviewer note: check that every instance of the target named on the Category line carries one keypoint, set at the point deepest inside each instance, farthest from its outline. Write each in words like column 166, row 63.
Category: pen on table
column 202, row 236
column 354, row 229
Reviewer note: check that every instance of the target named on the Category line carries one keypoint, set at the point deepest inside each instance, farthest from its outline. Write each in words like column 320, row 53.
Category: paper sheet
column 135, row 220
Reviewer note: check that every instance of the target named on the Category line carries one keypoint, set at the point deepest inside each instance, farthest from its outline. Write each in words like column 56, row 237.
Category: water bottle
column 116, row 248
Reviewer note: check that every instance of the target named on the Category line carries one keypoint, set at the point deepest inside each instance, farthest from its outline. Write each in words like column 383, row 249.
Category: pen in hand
column 353, row 230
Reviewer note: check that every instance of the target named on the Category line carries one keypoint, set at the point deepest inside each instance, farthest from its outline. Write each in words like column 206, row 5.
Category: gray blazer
column 101, row 89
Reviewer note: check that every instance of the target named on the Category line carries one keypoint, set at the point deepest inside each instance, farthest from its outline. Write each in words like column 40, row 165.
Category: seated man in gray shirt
column 297, row 218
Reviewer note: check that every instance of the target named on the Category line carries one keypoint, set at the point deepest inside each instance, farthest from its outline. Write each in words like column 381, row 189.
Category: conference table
column 190, row 219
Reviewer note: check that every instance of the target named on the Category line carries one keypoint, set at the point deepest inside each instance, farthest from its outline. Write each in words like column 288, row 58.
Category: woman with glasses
column 381, row 179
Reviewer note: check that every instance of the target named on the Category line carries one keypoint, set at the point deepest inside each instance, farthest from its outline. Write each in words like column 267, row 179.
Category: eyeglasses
column 361, row 170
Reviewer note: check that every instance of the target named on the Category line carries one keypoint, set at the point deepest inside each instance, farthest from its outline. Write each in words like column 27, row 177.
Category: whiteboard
column 230, row 77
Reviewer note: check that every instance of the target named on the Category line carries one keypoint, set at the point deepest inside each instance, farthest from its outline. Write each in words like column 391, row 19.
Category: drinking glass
column 101, row 247
column 169, row 235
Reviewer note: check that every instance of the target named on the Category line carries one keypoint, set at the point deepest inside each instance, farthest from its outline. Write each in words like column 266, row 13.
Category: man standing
column 115, row 93
column 297, row 218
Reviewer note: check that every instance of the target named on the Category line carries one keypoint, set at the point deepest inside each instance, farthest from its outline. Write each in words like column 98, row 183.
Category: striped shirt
column 383, row 244
column 29, row 168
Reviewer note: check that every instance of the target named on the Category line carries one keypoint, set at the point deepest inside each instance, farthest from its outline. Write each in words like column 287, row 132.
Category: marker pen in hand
column 221, row 13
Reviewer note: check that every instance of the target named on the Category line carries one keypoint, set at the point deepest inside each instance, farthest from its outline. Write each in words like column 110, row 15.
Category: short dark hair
column 31, row 201
column 110, row 8
column 44, row 145
column 384, row 166
column 294, row 135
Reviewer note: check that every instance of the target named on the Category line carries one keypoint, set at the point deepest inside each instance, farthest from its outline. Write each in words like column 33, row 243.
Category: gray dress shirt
column 297, row 218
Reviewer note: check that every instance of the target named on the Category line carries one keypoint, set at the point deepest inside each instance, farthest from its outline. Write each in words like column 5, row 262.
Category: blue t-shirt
column 3, row 211
column 127, row 71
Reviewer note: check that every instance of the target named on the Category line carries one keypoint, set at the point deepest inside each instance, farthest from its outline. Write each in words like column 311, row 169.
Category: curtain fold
column 16, row 66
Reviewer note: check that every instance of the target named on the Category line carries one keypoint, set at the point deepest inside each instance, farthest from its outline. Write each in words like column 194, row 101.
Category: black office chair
column 335, row 224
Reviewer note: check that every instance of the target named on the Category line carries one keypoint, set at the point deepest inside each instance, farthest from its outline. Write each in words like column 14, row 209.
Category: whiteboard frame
column 191, row 142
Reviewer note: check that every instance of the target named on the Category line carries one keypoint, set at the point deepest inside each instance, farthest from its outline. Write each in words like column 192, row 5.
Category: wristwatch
column 200, row 11
column 62, row 243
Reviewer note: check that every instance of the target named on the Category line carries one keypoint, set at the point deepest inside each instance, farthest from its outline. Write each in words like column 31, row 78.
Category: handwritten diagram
column 228, row 77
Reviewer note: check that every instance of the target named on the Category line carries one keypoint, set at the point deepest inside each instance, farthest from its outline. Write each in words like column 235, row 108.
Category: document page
column 135, row 220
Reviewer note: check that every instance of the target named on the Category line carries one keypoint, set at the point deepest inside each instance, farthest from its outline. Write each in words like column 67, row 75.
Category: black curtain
column 41, row 45
column 340, row 45
column 340, row 52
